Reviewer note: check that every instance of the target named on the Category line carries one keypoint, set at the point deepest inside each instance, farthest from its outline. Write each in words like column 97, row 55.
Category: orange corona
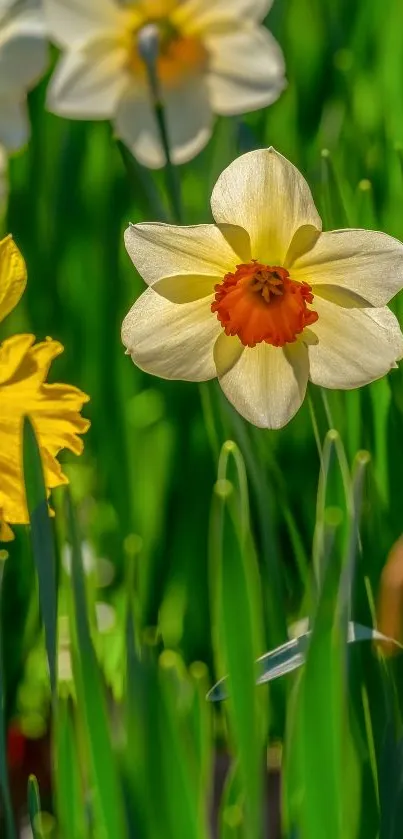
column 262, row 303
column 180, row 56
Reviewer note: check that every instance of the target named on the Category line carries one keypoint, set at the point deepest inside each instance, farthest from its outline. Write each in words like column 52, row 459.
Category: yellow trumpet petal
column 6, row 534
column 13, row 276
column 54, row 410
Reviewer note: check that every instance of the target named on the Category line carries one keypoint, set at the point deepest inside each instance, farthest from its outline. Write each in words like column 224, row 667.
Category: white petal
column 88, row 83
column 72, row 22
column 355, row 347
column 161, row 250
column 189, row 122
column 136, row 125
column 267, row 385
column 14, row 124
column 264, row 193
column 246, row 70
column 390, row 326
column 363, row 261
column 172, row 341
column 200, row 16
column 5, row 6
column 20, row 10
column 23, row 53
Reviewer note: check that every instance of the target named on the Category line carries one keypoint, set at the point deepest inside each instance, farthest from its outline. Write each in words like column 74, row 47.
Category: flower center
column 156, row 9
column 179, row 56
column 262, row 303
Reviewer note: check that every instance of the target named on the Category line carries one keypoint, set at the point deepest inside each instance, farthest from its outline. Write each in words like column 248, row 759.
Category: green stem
column 149, row 55
column 171, row 173
column 148, row 196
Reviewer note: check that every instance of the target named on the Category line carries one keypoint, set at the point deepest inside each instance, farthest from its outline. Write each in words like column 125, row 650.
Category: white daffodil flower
column 23, row 59
column 263, row 299
column 214, row 57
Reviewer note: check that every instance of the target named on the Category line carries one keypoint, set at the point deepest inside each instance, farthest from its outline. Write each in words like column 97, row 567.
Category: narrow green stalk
column 148, row 195
column 327, row 407
column 231, row 449
column 172, row 179
column 34, row 807
column 42, row 544
column 335, row 211
column 399, row 151
column 208, row 415
column 315, row 425
column 148, row 44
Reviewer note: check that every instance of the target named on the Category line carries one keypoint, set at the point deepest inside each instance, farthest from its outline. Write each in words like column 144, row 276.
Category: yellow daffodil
column 214, row 57
column 54, row 409
column 263, row 299
column 23, row 59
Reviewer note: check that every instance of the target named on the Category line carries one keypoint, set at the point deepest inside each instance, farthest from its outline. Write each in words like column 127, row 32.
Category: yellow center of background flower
column 180, row 55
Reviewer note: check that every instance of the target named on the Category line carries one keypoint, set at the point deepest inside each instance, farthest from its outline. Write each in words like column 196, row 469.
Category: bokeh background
column 143, row 488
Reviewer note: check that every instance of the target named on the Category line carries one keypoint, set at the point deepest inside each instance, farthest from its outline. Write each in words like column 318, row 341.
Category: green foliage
column 194, row 540
column 42, row 543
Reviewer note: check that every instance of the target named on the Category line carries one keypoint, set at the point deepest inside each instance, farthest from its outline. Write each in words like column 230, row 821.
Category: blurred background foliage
column 188, row 558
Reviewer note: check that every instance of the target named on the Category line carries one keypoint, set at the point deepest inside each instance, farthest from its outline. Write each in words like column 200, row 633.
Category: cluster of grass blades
column 237, row 570
column 140, row 762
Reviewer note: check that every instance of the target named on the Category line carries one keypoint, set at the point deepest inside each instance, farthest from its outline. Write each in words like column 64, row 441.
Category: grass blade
column 238, row 621
column 186, row 811
column 4, row 780
column 69, row 782
column 91, row 699
column 34, row 807
column 322, row 771
column 42, row 543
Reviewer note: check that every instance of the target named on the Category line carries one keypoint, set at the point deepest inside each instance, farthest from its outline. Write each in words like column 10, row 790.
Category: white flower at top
column 263, row 299
column 23, row 59
column 214, row 57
